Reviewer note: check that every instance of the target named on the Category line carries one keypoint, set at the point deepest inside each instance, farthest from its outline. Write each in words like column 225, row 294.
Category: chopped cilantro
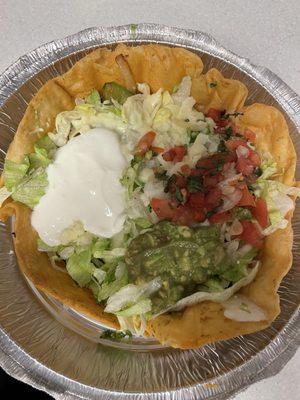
column 258, row 171
column 213, row 84
column 228, row 131
column 175, row 88
column 133, row 31
column 193, row 136
column 116, row 335
column 244, row 307
column 178, row 195
column 242, row 213
column 194, row 185
column 222, row 147
column 136, row 159
column 161, row 175
column 169, row 183
column 225, row 115
column 211, row 212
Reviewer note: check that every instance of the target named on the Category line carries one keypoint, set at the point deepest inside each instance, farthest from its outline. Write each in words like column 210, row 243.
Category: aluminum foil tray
column 60, row 351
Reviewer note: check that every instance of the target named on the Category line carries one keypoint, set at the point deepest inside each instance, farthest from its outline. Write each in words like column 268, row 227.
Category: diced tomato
column 186, row 170
column 196, row 172
column 185, row 215
column 260, row 213
column 254, row 158
column 244, row 166
column 213, row 197
column 199, row 215
column 145, row 142
column 212, row 180
column 169, row 155
column 222, row 122
column 180, row 152
column 233, row 144
column 157, row 150
column 163, row 208
column 175, row 154
column 247, row 198
column 214, row 114
column 205, row 165
column 196, row 200
column 251, row 234
column 249, row 135
column 220, row 217
column 180, row 181
column 213, row 163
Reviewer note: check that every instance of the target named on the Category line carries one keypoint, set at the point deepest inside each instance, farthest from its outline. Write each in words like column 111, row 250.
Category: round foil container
column 59, row 351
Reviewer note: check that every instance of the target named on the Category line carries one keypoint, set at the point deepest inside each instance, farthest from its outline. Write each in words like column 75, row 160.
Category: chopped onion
column 231, row 200
column 228, row 190
column 242, row 151
column 236, row 228
column 240, row 308
column 231, row 180
column 230, row 172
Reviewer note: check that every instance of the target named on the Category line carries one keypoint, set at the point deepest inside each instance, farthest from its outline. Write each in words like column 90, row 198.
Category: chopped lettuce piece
column 14, row 173
column 131, row 294
column 278, row 201
column 268, row 167
column 47, row 144
column 142, row 307
column 100, row 275
column 128, row 180
column 217, row 297
column 4, row 194
column 80, row 268
column 66, row 252
column 239, row 270
column 143, row 223
column 93, row 97
column 32, row 188
column 100, row 246
column 39, row 158
column 42, row 246
column 113, row 90
column 110, row 288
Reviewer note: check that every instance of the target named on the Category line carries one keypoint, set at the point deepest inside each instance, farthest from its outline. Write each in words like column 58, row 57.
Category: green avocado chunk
column 113, row 90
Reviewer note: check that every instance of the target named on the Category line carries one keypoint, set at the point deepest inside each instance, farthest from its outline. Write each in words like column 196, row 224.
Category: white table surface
column 265, row 31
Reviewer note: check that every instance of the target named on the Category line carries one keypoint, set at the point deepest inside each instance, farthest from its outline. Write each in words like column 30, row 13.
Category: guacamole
column 187, row 260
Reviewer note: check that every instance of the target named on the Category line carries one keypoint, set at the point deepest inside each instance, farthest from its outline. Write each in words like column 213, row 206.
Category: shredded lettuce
column 279, row 203
column 80, row 268
column 142, row 223
column 239, row 270
column 268, row 167
column 4, row 194
column 217, row 297
column 109, row 288
column 142, row 307
column 32, row 188
column 93, row 97
column 14, row 173
column 131, row 294
column 39, row 158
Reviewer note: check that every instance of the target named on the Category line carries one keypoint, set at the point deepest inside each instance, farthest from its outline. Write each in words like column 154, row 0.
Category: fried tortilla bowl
column 161, row 67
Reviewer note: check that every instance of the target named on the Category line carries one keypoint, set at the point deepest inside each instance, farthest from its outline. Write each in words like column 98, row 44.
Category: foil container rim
column 13, row 359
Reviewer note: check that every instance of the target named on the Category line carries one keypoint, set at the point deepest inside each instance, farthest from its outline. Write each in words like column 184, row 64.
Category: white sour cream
column 84, row 185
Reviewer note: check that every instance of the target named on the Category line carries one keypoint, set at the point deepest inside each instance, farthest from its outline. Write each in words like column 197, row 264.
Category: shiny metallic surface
column 62, row 355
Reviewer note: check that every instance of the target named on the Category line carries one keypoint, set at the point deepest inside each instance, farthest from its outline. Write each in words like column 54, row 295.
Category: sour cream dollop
column 84, row 185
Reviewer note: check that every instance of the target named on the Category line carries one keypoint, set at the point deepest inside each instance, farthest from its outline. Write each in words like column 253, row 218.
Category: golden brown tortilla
column 159, row 66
